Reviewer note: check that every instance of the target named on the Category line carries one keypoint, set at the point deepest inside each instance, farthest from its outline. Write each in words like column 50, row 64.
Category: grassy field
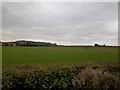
column 60, row 68
column 57, row 55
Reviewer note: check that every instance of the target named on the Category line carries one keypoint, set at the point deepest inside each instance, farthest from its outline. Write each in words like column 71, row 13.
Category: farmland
column 60, row 68
column 57, row 55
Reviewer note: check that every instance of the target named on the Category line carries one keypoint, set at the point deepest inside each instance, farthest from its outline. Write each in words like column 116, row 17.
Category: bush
column 39, row 80
column 67, row 78
column 97, row 79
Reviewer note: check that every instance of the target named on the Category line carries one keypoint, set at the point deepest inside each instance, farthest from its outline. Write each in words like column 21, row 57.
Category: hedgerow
column 63, row 78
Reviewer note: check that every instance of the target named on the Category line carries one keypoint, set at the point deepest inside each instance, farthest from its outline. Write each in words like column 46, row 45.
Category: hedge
column 74, row 78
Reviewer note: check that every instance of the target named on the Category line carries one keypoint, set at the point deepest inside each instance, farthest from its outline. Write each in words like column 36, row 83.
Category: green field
column 60, row 68
column 58, row 55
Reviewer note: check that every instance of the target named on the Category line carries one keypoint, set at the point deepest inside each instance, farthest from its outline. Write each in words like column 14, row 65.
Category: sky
column 60, row 0
column 68, row 23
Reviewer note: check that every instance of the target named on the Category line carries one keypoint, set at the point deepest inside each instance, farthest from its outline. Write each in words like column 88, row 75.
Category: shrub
column 39, row 80
column 67, row 78
column 97, row 79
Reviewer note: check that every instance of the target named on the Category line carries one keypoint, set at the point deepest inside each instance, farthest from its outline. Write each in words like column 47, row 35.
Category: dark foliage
column 75, row 78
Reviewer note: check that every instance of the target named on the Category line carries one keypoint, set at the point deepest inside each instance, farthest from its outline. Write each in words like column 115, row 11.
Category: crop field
column 58, row 55
column 60, row 68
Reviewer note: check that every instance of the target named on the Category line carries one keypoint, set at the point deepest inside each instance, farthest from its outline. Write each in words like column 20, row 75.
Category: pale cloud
column 63, row 23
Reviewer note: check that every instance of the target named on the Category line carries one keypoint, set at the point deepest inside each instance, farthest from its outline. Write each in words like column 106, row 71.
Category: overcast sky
column 60, row 22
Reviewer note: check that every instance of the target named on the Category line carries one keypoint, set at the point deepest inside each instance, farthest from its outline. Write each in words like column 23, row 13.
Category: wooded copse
column 28, row 43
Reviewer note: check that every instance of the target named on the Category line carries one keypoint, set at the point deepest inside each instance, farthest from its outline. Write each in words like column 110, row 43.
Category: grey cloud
column 63, row 23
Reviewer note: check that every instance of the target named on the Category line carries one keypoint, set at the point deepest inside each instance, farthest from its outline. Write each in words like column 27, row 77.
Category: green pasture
column 58, row 55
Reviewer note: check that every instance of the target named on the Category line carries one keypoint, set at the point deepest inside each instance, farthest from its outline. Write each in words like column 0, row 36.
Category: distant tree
column 55, row 44
column 104, row 45
column 96, row 45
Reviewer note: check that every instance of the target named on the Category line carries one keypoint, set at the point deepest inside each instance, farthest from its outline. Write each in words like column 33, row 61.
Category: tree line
column 34, row 43
column 28, row 43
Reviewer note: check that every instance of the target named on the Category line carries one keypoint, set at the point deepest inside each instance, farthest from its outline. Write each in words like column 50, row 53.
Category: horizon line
column 57, row 43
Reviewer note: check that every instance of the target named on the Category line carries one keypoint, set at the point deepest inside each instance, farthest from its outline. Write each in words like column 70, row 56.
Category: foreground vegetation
column 62, row 77
column 60, row 68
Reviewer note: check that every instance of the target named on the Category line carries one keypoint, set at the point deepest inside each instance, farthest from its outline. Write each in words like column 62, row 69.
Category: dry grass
column 96, row 78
